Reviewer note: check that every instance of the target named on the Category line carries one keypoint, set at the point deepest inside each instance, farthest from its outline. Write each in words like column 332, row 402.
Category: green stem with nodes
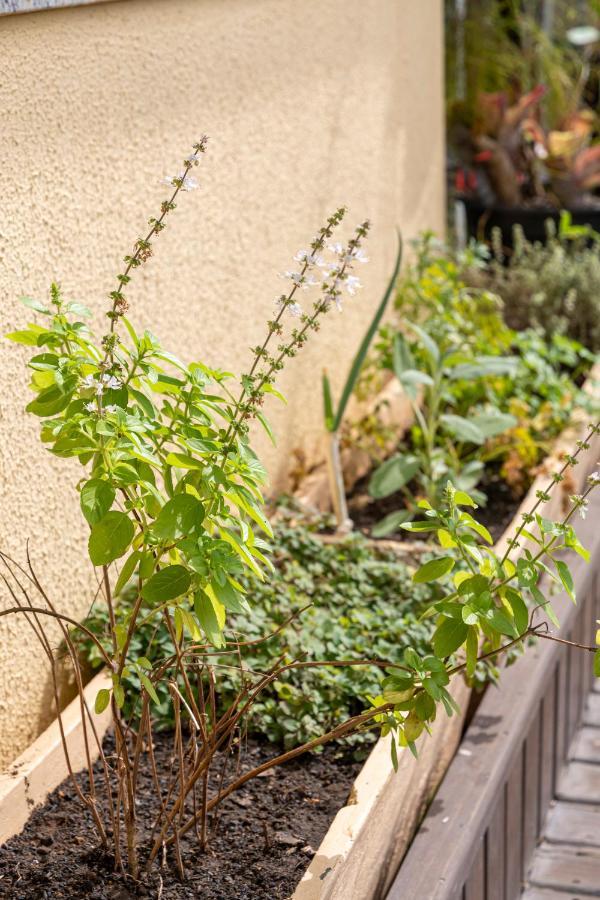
column 543, row 496
column 274, row 327
column 143, row 250
column 331, row 292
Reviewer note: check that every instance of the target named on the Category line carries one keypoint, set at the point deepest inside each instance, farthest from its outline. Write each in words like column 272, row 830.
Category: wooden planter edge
column 368, row 838
column 30, row 778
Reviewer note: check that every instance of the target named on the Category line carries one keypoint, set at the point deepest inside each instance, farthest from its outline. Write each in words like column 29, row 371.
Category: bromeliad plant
column 334, row 417
column 171, row 488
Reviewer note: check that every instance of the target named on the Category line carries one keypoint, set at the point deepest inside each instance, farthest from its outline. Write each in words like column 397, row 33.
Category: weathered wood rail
column 478, row 837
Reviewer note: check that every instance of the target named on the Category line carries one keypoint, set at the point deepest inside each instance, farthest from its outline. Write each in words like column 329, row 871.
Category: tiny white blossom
column 89, row 381
column 193, row 157
column 352, row 284
column 168, row 179
column 91, row 406
column 302, row 281
column 312, row 259
column 594, row 478
column 336, row 248
column 358, row 255
column 111, row 408
column 110, row 381
column 580, row 504
column 540, row 151
column 190, row 184
column 294, row 308
column 99, row 388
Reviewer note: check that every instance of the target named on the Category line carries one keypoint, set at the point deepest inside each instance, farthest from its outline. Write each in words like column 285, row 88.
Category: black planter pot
column 480, row 220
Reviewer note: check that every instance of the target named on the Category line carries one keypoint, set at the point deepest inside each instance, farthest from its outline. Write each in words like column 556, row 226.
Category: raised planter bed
column 371, row 834
column 532, row 219
column 363, row 847
column 33, row 776
column 478, row 837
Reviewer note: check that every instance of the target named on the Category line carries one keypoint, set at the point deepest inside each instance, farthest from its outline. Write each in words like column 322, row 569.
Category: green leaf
column 178, row 517
column 411, row 377
column 226, row 595
column 472, row 648
column 328, row 413
column 477, row 527
column 211, row 615
column 120, row 635
column 29, row 338
column 149, row 687
column 32, row 303
column 390, row 523
column 392, row 475
column 565, row 576
column 472, row 584
column 449, row 636
column 143, row 402
column 597, row 663
column 96, row 499
column 402, row 358
column 462, row 499
column 429, row 525
column 485, row 365
column 494, row 423
column 519, row 609
column 428, row 342
column 359, row 359
column 52, row 399
column 184, row 461
column 501, row 622
column 129, row 567
column 110, row 538
column 102, row 700
column 434, row 569
column 119, row 693
column 463, row 429
column 269, row 389
column 166, row 584
column 261, row 418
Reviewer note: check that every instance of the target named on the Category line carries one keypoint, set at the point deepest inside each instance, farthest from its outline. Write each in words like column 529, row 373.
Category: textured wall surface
column 308, row 104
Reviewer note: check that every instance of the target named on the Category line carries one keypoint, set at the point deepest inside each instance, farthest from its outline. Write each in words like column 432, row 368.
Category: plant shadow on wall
column 172, row 488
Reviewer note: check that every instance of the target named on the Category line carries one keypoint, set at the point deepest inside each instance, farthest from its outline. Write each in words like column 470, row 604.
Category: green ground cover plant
column 325, row 600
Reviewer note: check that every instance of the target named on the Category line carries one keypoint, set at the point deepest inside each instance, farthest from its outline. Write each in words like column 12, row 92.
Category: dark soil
column 496, row 515
column 267, row 834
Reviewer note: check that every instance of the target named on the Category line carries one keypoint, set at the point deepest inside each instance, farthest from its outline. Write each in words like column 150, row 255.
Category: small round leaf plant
column 172, row 486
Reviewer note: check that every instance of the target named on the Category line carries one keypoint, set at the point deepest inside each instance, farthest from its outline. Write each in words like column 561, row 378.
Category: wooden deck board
column 586, row 745
column 545, row 894
column 566, row 865
column 591, row 713
column 567, row 868
column 573, row 823
column 580, row 783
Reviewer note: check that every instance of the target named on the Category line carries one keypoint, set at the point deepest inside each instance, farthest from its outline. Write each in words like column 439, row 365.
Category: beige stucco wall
column 309, row 104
